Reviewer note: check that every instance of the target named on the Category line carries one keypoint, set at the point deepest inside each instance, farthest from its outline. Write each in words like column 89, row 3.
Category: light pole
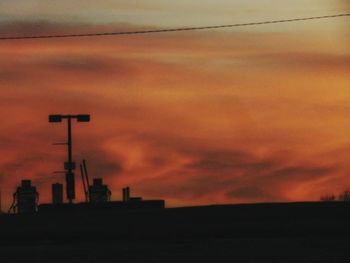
column 69, row 166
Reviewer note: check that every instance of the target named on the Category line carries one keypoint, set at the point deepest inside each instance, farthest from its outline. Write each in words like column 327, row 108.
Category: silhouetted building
column 98, row 192
column 25, row 199
column 57, row 193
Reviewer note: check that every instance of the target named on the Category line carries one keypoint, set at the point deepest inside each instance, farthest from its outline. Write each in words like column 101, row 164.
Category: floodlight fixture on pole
column 69, row 166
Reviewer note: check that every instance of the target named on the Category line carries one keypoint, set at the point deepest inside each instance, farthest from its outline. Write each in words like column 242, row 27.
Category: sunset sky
column 250, row 114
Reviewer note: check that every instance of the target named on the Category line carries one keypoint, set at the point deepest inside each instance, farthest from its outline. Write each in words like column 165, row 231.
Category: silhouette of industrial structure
column 25, row 199
column 97, row 196
column 69, row 166
column 99, row 192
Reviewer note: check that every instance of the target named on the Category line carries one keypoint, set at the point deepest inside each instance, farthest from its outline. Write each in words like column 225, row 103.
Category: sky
column 251, row 114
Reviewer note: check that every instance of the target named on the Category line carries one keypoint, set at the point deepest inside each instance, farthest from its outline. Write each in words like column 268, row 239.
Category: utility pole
column 69, row 166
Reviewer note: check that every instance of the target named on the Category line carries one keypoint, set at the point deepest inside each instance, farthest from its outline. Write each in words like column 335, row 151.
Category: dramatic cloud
column 222, row 176
column 195, row 118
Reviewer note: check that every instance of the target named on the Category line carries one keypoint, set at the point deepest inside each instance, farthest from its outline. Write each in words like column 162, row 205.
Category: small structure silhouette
column 126, row 194
column 99, row 192
column 328, row 198
column 127, row 197
column 25, row 199
column 57, row 193
column 345, row 196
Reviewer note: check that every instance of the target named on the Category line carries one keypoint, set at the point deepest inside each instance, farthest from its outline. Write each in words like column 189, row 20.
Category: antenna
column 84, row 185
column 86, row 174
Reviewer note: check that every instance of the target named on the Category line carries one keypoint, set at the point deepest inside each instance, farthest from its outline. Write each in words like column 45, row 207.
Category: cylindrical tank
column 26, row 197
column 126, row 194
column 57, row 193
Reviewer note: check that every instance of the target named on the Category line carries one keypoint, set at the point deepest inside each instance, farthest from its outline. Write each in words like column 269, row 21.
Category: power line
column 171, row 29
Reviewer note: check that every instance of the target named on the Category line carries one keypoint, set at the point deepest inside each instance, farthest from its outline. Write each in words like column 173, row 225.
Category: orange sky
column 249, row 115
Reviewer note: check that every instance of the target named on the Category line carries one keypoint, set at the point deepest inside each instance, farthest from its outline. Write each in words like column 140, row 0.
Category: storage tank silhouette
column 57, row 193
column 126, row 194
column 25, row 199
column 98, row 192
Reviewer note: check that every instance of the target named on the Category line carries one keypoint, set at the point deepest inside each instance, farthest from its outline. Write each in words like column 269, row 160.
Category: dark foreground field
column 294, row 232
